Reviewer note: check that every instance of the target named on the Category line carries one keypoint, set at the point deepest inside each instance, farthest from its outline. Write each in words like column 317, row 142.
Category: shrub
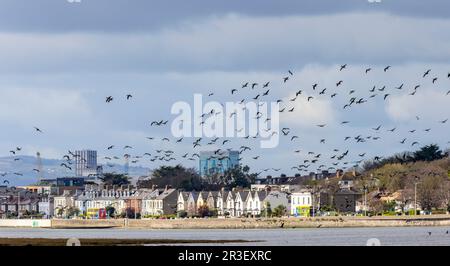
column 182, row 214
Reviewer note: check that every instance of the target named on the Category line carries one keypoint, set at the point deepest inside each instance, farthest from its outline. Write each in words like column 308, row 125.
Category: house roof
column 243, row 194
column 228, row 193
column 166, row 193
column 346, row 191
column 185, row 195
column 348, row 176
column 26, row 201
column 214, row 193
column 261, row 195
column 397, row 195
column 194, row 195
column 202, row 194
column 277, row 194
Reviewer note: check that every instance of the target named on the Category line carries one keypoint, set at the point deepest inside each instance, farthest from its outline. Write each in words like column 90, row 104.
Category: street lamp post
column 415, row 198
column 365, row 201
column 18, row 204
column 312, row 201
column 415, row 194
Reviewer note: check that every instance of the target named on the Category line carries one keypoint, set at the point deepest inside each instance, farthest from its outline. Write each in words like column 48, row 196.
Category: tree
column 129, row 213
column 182, row 214
column 279, row 211
column 238, row 176
column 389, row 206
column 72, row 212
column 203, row 211
column 59, row 211
column 267, row 211
column 429, row 192
column 174, row 176
column 112, row 179
column 391, row 176
column 429, row 153
column 110, row 211
column 376, row 205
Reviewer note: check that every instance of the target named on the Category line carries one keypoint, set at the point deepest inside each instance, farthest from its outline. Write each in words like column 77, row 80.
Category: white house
column 153, row 202
column 249, row 204
column 229, row 204
column 64, row 201
column 91, row 200
column 182, row 201
column 257, row 202
column 220, row 202
column 46, row 207
column 301, row 202
column 240, row 204
column 201, row 199
column 211, row 200
column 192, row 203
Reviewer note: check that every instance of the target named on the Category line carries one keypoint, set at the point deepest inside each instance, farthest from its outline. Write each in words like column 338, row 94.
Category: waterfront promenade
column 237, row 223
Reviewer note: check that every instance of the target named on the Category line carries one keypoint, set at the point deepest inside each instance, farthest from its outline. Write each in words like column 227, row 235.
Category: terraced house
column 92, row 199
column 231, row 203
column 160, row 202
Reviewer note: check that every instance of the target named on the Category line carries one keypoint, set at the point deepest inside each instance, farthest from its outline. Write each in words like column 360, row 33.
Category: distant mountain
column 51, row 169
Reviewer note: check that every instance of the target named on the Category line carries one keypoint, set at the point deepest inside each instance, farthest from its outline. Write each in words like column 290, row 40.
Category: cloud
column 58, row 80
column 232, row 42
column 144, row 15
column 429, row 104
column 31, row 107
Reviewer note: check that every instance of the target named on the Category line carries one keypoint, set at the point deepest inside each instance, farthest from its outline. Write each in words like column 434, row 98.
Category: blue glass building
column 211, row 163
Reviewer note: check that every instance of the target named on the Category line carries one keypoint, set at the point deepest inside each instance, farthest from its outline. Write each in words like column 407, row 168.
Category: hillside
column 52, row 169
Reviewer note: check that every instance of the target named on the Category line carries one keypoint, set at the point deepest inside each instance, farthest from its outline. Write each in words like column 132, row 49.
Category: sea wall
column 237, row 223
column 328, row 222
column 26, row 223
column 80, row 223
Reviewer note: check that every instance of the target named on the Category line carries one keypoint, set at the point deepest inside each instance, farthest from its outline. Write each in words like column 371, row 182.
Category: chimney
column 339, row 173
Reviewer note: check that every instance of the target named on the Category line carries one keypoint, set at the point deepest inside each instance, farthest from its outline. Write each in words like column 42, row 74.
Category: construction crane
column 40, row 172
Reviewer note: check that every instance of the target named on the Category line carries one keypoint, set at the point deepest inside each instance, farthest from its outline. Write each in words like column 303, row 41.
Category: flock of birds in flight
column 314, row 161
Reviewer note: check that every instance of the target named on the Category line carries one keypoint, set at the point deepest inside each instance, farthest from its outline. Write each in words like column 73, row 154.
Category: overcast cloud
column 60, row 60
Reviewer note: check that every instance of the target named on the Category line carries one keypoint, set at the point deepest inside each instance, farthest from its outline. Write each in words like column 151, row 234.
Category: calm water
column 295, row 237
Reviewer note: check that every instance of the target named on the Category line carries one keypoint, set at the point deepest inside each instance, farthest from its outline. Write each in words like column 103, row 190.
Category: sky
column 60, row 60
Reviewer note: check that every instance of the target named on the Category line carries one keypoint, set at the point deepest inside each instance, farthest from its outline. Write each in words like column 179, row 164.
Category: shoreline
column 235, row 223
column 112, row 242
